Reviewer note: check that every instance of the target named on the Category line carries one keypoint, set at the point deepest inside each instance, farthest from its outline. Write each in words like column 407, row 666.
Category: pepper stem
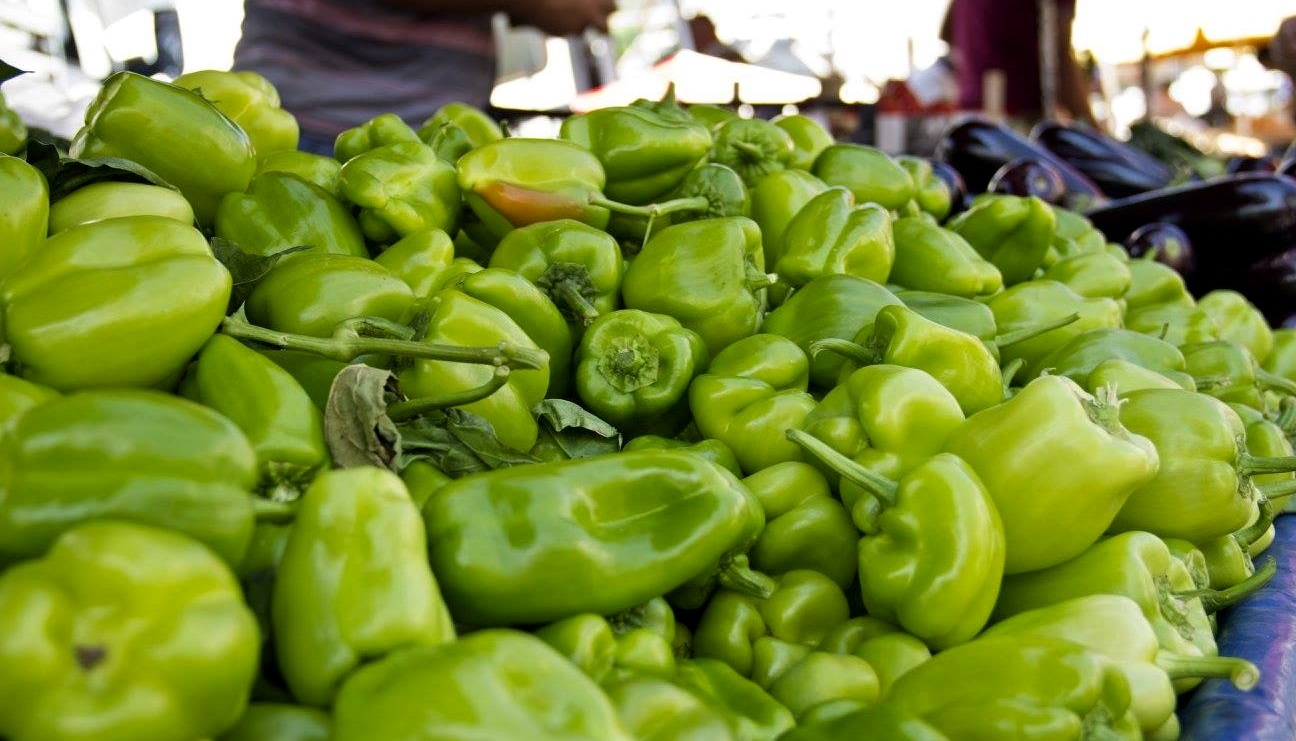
column 737, row 575
column 1274, row 382
column 1010, row 372
column 1242, row 673
column 406, row 410
column 1256, row 530
column 584, row 311
column 1287, row 415
column 1027, row 333
column 275, row 513
column 1249, row 465
column 1278, row 489
column 881, row 487
column 346, row 345
column 852, row 351
column 757, row 280
column 675, row 205
column 1214, row 600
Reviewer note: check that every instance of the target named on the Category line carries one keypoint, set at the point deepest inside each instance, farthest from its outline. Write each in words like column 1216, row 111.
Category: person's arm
column 557, row 17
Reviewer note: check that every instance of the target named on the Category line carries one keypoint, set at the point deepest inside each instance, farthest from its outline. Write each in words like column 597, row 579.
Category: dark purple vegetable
column 1231, row 221
column 1242, row 163
column 977, row 148
column 1119, row 170
column 1167, row 243
column 1029, row 176
column 954, row 181
column 1271, row 285
column 1262, row 630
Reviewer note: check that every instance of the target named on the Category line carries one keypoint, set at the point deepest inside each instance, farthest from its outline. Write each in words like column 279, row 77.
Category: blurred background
column 876, row 73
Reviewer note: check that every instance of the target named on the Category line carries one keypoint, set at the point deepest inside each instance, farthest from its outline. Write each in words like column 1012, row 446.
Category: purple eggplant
column 954, row 181
column 977, row 148
column 1231, row 221
column 1271, row 285
column 1167, row 243
column 1243, row 163
column 1119, row 170
column 1029, row 176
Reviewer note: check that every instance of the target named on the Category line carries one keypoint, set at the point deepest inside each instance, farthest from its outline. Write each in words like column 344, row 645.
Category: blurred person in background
column 338, row 63
column 1004, row 35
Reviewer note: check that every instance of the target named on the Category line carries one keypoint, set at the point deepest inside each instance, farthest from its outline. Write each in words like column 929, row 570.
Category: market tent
column 1114, row 30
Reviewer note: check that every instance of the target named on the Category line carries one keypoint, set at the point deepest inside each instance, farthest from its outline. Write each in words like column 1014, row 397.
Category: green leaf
column 37, row 134
column 78, row 173
column 44, row 157
column 245, row 268
column 569, row 431
column 356, row 426
column 458, row 443
column 8, row 71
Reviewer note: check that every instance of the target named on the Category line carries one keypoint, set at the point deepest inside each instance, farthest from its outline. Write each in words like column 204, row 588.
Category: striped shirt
column 338, row 63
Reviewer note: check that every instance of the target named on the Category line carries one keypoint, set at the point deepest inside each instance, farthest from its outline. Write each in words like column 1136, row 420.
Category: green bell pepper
column 1074, row 235
column 868, row 172
column 809, row 139
column 606, row 652
column 830, row 306
column 1265, row 438
column 1081, row 466
column 314, row 292
column 752, row 714
column 830, row 234
column 72, row 662
column 1093, row 275
column 653, row 709
column 24, row 212
column 820, row 678
column 490, row 684
column 713, row 451
column 910, row 557
column 324, row 172
column 1128, row 377
column 931, row 258
column 326, row 621
column 139, row 294
column 1153, row 283
column 380, row 131
column 313, row 373
column 805, row 526
column 401, row 189
column 644, row 154
column 174, row 133
column 250, row 101
column 753, row 147
column 13, row 132
column 421, row 259
column 776, row 200
column 478, row 128
column 1238, row 320
column 931, row 193
column 1043, row 689
column 1179, row 324
column 801, row 610
column 882, row 721
column 109, row 200
column 1012, row 233
column 1202, row 489
column 1115, row 627
column 892, row 655
column 752, row 391
column 577, row 266
column 1229, row 372
column 135, row 455
column 1081, row 356
column 457, row 318
column 633, row 367
column 285, row 429
column 1038, row 302
column 17, row 396
column 280, row 210
column 1282, row 358
column 662, row 519
column 265, row 721
column 709, row 275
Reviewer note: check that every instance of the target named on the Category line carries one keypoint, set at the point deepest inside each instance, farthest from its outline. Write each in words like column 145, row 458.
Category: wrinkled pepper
column 421, row 259
column 805, row 526
column 1011, row 232
column 1229, row 372
column 317, row 169
column 753, row 147
column 1038, row 302
column 881, row 722
column 830, row 234
column 931, row 258
column 379, row 131
column 809, row 139
column 776, row 200
column 280, row 210
column 577, row 266
column 653, row 709
column 1093, row 275
column 644, row 154
column 265, row 721
column 252, row 102
column 1082, row 354
column 931, row 192
column 752, row 714
column 1238, row 320
column 401, row 189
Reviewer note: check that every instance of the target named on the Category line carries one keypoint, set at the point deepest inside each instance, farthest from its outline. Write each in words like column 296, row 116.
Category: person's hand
column 564, row 17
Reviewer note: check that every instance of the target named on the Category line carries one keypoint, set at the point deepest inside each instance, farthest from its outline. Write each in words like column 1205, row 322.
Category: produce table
column 1262, row 630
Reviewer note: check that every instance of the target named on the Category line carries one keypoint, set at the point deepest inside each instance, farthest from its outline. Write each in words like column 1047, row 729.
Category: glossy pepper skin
column 379, row 131
column 421, row 259
column 1238, row 321
column 314, row 292
column 831, row 306
column 456, row 318
column 931, row 192
column 931, row 258
column 478, row 127
column 806, row 528
column 1033, row 487
column 882, row 722
column 633, row 366
column 492, row 684
column 653, row 709
column 145, row 287
column 577, row 266
column 1177, row 323
column 72, row 665
column 868, row 172
column 819, row 678
column 809, row 139
column 266, row 721
column 250, row 101
column 1127, row 377
column 138, row 455
column 328, row 619
column 108, row 200
column 753, row 147
column 1081, row 356
column 911, row 558
column 662, row 519
column 1038, row 302
column 401, row 189
column 285, row 429
column 1093, row 275
column 18, row 395
column 644, row 154
column 24, row 212
column 608, row 649
column 317, row 169
column 173, row 132
column 1282, row 358
column 1229, row 372
column 280, row 210
column 830, row 234
column 711, row 450
column 1154, row 283
column 1203, row 488
column 315, row 374
column 709, row 275
column 1047, row 690
column 13, row 132
column 775, row 200
column 753, row 715
column 750, row 393
column 1013, row 233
